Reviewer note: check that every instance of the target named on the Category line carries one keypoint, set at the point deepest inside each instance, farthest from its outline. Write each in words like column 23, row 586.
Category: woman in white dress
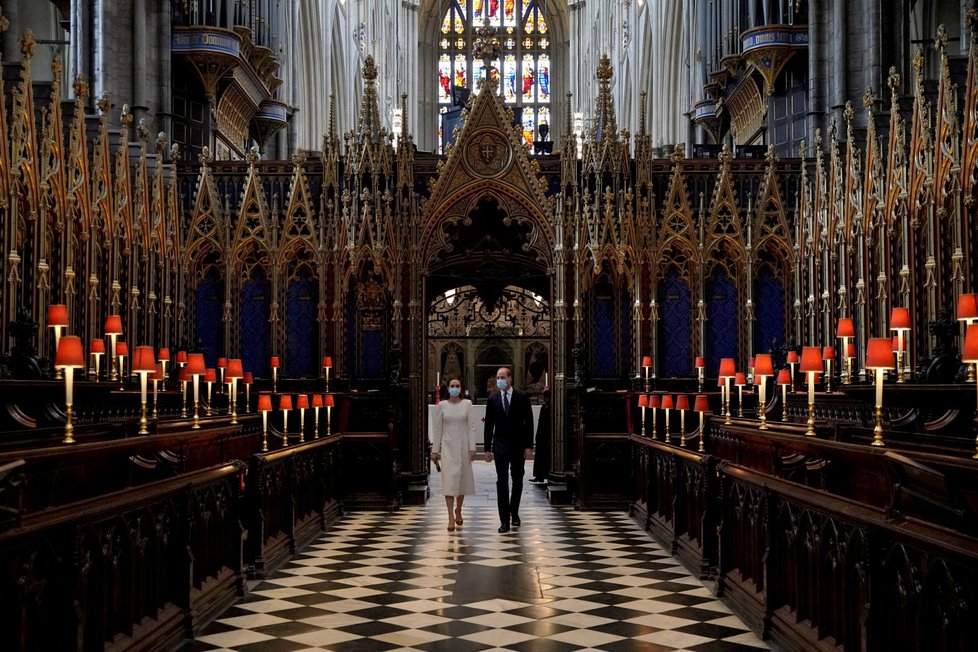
column 454, row 439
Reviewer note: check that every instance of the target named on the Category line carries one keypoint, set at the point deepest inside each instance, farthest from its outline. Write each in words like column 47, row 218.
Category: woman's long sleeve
column 473, row 429
column 436, row 430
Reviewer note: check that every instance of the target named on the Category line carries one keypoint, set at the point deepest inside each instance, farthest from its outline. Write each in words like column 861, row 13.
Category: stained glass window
column 523, row 69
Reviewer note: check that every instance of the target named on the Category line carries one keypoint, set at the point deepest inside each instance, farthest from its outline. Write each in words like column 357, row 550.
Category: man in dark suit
column 508, row 439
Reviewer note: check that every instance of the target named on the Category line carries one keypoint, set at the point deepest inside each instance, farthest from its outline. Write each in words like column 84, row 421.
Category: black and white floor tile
column 564, row 581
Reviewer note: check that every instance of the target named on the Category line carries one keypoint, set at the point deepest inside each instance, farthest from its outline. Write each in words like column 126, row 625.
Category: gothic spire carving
column 368, row 121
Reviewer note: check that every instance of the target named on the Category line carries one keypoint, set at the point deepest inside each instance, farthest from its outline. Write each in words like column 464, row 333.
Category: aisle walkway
column 564, row 581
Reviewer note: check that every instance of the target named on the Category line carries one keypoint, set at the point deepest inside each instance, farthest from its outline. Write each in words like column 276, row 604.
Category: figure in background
column 509, row 440
column 454, row 441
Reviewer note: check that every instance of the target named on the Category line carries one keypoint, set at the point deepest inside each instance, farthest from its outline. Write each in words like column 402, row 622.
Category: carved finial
column 605, row 71
column 56, row 68
column 4, row 22
column 404, row 116
column 724, row 156
column 28, row 46
column 771, row 155
column 253, row 156
column 971, row 18
column 369, row 69
column 205, row 156
column 848, row 113
column 918, row 60
column 126, row 118
column 161, row 141
column 803, row 148
column 81, row 87
column 893, row 80
column 175, row 154
column 940, row 43
column 299, row 156
column 868, row 97
column 818, row 138
column 677, row 155
column 103, row 103
column 142, row 129
column 641, row 113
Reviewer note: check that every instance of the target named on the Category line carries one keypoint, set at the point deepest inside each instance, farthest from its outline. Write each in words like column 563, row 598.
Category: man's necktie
column 506, row 402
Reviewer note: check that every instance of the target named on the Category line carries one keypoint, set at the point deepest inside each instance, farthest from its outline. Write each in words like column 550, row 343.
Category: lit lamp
column 828, row 355
column 969, row 353
column 682, row 404
column 792, row 360
column 157, row 378
column 183, row 377
column 654, row 403
column 811, row 364
column 317, row 402
column 667, row 404
column 163, row 357
column 57, row 320
column 851, row 359
column 181, row 359
column 763, row 369
column 276, row 363
column 329, row 402
column 210, row 377
column 69, row 357
column 302, row 403
column 879, row 356
column 740, row 379
column 248, row 380
column 285, row 404
column 968, row 314
column 728, row 370
column 327, row 365
column 702, row 405
column 900, row 322
column 643, row 402
column 845, row 331
column 98, row 350
column 750, row 370
column 222, row 365
column 647, row 364
column 235, row 372
column 196, row 367
column 784, row 380
column 143, row 363
column 700, row 370
column 121, row 351
column 113, row 329
column 264, row 406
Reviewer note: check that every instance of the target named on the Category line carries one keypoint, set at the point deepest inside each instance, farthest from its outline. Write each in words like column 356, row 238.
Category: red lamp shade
column 763, row 365
column 728, row 368
column 700, row 362
column 784, row 377
column 702, row 403
column 967, row 307
column 750, row 362
column 643, row 400
column 811, row 359
column 879, row 353
column 302, row 402
column 121, row 348
column 70, row 354
column 328, row 401
column 647, row 361
column 969, row 351
column 327, row 361
column 851, row 350
column 845, row 328
column 667, row 402
column 222, row 363
column 113, row 325
column 264, row 403
column 144, row 360
column 181, row 357
column 196, row 364
column 57, row 314
column 276, row 363
column 235, row 369
column 285, row 402
column 184, row 375
column 792, row 357
column 682, row 402
column 157, row 373
column 249, row 378
column 98, row 345
column 655, row 401
column 828, row 353
column 210, row 376
column 317, row 400
column 900, row 319
column 740, row 379
column 164, row 355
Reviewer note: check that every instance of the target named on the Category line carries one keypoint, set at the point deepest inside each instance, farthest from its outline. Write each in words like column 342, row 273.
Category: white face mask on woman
column 454, row 391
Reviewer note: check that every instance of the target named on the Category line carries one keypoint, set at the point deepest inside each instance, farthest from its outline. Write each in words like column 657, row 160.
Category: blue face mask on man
column 501, row 383
column 454, row 391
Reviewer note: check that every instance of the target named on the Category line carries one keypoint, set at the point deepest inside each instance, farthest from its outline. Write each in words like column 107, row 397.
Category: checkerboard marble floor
column 565, row 580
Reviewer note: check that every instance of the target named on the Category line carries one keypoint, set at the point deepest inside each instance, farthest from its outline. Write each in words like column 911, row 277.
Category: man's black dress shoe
column 516, row 521
column 503, row 529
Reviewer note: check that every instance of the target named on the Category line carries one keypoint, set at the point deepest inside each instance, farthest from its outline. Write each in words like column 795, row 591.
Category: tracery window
column 525, row 61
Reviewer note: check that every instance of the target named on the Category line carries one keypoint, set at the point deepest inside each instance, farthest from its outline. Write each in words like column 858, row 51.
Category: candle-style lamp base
column 901, row 377
column 878, row 430
column 682, row 436
column 763, row 425
column 264, row 440
column 643, row 422
column 143, row 423
column 196, row 424
column 69, row 428
column 810, row 432
column 702, row 447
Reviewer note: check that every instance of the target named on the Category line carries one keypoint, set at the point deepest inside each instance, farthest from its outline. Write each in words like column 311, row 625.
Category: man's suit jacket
column 508, row 433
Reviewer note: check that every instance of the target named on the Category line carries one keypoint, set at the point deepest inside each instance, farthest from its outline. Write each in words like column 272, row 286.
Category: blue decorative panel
column 625, row 340
column 373, row 353
column 675, row 327
column 722, row 325
column 351, row 329
column 769, row 310
column 207, row 311
column 604, row 336
column 300, row 327
column 255, row 331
